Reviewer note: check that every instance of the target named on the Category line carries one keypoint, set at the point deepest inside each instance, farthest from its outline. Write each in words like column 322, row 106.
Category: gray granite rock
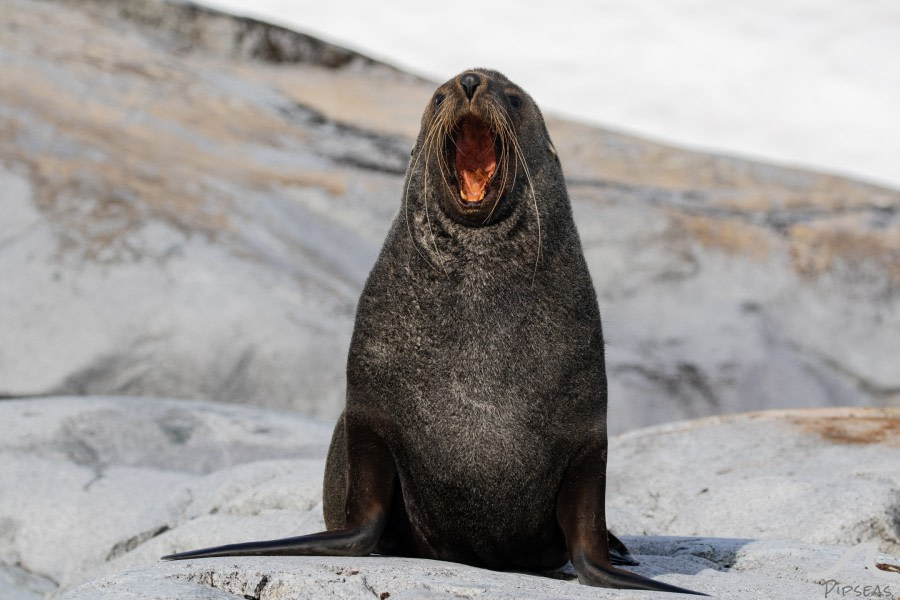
column 192, row 201
column 754, row 570
column 821, row 476
column 18, row 584
column 88, row 480
column 740, row 507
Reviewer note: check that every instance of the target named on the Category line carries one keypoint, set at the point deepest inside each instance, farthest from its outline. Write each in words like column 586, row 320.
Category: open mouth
column 474, row 154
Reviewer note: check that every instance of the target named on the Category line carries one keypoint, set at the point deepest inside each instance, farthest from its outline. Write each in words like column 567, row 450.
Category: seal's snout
column 470, row 81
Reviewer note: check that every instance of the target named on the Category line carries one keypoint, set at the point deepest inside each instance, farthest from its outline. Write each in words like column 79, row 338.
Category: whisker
column 406, row 211
column 430, row 141
column 500, row 125
column 425, row 148
column 446, row 132
column 537, row 211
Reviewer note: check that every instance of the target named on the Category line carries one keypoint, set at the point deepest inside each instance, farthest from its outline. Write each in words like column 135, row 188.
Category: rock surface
column 757, row 570
column 99, row 488
column 821, row 476
column 88, row 480
column 191, row 203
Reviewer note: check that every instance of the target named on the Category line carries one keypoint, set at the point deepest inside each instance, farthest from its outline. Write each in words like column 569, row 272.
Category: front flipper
column 371, row 475
column 581, row 514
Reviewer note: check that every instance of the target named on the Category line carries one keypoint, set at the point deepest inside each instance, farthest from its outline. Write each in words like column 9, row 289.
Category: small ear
column 552, row 148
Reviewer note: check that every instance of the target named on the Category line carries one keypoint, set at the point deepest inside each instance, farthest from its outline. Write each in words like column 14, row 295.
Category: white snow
column 805, row 82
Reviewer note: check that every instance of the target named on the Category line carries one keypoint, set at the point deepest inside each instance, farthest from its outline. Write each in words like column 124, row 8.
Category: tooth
column 481, row 197
column 462, row 195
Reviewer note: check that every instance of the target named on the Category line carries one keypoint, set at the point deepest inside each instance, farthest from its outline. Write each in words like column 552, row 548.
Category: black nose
column 469, row 82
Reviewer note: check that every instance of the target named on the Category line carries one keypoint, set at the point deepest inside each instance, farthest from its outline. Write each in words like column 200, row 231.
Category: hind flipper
column 358, row 541
column 619, row 554
column 371, row 477
column 581, row 514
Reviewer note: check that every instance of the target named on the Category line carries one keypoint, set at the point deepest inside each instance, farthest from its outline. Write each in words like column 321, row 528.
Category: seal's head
column 471, row 151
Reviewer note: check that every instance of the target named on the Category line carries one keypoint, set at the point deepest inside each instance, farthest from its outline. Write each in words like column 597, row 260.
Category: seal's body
column 483, row 384
column 475, row 425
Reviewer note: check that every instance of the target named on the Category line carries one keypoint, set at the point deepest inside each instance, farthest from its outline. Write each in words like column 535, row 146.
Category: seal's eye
column 438, row 98
column 515, row 100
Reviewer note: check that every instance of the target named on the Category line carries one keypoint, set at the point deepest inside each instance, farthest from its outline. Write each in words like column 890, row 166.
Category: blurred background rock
column 191, row 203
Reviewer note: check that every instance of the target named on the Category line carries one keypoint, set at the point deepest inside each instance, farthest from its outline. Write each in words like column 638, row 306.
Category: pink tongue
column 475, row 159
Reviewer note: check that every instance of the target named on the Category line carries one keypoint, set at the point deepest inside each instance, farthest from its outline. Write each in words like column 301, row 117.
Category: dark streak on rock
column 178, row 428
column 687, row 383
column 6, row 396
column 43, row 577
column 98, row 475
column 368, row 586
column 348, row 144
column 257, row 593
column 191, row 27
column 134, row 541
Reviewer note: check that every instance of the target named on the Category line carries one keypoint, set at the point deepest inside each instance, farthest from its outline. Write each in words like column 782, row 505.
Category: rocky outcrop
column 191, row 203
column 739, row 507
column 88, row 482
column 755, row 570
column 823, row 476
column 188, row 214
column 190, row 27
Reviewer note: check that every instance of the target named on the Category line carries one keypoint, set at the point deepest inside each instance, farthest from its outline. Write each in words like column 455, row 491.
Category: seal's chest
column 476, row 443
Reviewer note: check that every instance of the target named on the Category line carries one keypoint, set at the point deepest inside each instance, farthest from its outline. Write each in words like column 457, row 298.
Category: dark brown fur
column 475, row 425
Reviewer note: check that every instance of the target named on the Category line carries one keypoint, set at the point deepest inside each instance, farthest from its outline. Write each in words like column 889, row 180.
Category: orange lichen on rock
column 731, row 236
column 866, row 429
column 821, row 247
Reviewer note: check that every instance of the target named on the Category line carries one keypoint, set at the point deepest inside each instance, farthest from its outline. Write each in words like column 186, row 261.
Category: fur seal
column 475, row 424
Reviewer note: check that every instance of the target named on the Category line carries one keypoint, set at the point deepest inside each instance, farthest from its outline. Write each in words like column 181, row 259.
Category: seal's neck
column 511, row 244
